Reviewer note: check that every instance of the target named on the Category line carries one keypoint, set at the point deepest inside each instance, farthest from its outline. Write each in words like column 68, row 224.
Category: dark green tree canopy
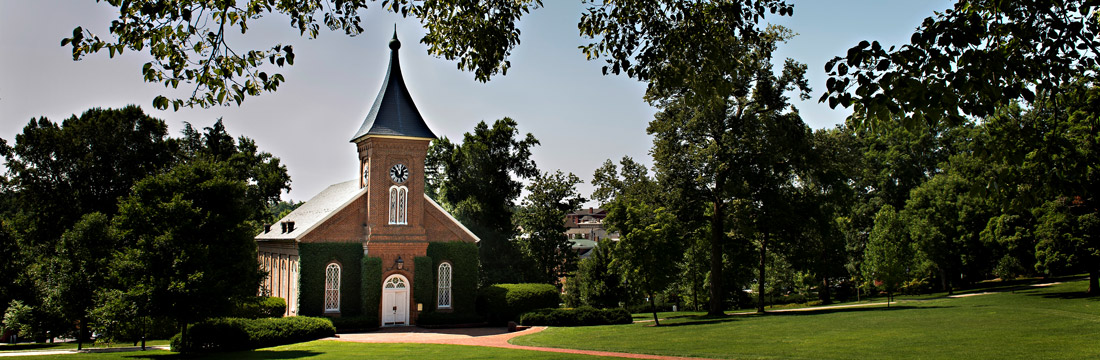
column 478, row 182
column 968, row 60
column 59, row 172
column 542, row 214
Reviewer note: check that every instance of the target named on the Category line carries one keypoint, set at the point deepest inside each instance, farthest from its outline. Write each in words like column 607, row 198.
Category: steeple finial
column 394, row 43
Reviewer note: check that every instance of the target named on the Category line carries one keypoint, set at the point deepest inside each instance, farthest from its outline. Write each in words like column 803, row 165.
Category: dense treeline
column 110, row 225
column 899, row 208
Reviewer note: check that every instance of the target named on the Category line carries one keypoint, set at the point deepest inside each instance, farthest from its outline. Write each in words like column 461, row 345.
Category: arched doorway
column 395, row 301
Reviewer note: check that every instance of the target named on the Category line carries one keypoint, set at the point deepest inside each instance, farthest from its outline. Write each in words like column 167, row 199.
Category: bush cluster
column 448, row 318
column 261, row 307
column 582, row 316
column 232, row 334
column 506, row 302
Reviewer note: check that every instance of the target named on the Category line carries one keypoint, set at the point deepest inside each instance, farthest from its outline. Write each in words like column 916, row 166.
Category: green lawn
column 1054, row 322
column 327, row 349
column 71, row 345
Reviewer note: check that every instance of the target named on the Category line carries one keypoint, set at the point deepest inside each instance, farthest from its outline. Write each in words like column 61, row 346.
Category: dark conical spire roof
column 393, row 112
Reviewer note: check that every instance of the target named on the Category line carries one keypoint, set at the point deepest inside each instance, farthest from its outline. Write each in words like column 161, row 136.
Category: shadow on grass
column 1064, row 295
column 257, row 355
column 897, row 307
column 699, row 320
column 35, row 346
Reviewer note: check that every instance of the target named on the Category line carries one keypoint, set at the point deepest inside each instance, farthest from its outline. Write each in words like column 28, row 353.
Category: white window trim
column 399, row 205
column 445, row 297
column 332, row 288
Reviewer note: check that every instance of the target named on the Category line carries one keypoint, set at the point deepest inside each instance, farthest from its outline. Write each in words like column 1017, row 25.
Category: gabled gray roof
column 315, row 211
column 393, row 112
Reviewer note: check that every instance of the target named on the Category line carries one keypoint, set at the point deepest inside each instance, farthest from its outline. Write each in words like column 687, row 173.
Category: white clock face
column 399, row 173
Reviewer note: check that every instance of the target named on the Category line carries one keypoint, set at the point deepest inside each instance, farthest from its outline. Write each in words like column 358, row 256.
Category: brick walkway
column 491, row 337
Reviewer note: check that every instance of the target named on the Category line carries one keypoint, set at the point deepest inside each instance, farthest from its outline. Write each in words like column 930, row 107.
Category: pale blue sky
column 581, row 116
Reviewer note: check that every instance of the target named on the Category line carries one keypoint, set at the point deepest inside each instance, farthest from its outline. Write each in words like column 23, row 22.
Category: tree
column 598, row 282
column 648, row 249
column 189, row 250
column 828, row 197
column 59, row 172
column 478, row 182
column 945, row 223
column 1067, row 232
column 727, row 133
column 189, row 41
column 888, row 254
column 265, row 174
column 1047, row 175
column 968, row 61
column 551, row 198
column 78, row 269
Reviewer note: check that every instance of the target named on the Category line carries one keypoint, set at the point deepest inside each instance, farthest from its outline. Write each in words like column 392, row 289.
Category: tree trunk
column 717, row 231
column 653, row 308
column 945, row 282
column 80, row 336
column 1094, row 281
column 760, row 283
column 825, row 294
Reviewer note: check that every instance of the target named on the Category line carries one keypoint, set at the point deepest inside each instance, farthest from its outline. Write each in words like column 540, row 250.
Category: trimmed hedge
column 424, row 282
column 261, row 307
column 314, row 258
column 582, row 316
column 372, row 290
column 232, row 334
column 448, row 318
column 464, row 264
column 502, row 303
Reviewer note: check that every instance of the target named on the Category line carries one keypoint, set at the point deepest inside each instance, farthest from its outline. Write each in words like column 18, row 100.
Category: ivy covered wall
column 424, row 282
column 463, row 259
column 372, row 289
column 314, row 258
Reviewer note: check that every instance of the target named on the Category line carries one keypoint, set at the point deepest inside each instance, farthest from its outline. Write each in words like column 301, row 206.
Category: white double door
column 395, row 301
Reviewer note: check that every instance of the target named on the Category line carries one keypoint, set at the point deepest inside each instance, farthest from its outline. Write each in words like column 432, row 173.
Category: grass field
column 1054, row 322
column 327, row 349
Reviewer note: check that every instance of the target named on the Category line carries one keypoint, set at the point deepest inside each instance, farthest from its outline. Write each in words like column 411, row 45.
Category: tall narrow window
column 332, row 288
column 444, row 287
column 399, row 199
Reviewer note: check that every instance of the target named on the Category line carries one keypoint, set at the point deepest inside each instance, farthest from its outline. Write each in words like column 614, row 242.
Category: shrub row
column 231, row 334
column 261, row 307
column 582, row 316
column 502, row 303
column 444, row 318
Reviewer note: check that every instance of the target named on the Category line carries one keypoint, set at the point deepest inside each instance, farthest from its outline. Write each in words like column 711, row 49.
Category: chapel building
column 375, row 251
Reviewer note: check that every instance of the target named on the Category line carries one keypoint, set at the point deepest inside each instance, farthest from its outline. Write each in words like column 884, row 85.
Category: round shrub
column 231, row 334
column 582, row 316
column 505, row 302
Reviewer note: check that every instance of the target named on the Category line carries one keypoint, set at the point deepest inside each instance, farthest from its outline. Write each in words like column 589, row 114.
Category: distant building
column 585, row 229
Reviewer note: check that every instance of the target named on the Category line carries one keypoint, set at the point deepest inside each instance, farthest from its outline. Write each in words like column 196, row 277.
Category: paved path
column 491, row 337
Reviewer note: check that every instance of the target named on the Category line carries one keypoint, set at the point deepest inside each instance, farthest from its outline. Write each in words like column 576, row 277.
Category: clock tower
column 392, row 144
column 357, row 248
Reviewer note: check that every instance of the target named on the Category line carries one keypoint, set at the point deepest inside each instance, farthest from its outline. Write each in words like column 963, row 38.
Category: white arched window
column 444, row 287
column 332, row 288
column 399, row 200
